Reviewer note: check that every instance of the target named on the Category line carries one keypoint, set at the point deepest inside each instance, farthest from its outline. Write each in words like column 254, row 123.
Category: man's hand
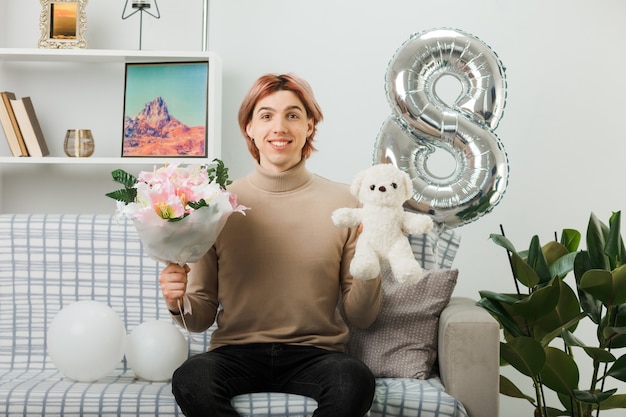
column 173, row 281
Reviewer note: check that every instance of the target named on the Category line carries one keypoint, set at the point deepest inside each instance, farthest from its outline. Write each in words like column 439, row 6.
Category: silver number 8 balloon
column 423, row 123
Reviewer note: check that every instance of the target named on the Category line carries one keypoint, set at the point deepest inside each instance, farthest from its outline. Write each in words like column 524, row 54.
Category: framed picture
column 63, row 24
column 165, row 109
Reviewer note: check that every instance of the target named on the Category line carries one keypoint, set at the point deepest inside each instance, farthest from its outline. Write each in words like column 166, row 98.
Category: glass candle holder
column 78, row 143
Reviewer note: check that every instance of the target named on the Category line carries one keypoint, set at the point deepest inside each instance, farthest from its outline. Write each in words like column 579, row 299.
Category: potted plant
column 540, row 318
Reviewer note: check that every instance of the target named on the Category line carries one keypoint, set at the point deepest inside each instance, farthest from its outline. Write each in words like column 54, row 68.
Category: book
column 10, row 125
column 29, row 126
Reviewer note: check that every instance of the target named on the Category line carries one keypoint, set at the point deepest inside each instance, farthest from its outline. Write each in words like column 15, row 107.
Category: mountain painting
column 165, row 110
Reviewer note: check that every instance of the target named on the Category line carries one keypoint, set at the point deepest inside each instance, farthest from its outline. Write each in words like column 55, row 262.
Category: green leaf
column 588, row 303
column 521, row 271
column 219, row 173
column 618, row 370
column 592, row 397
column 615, row 327
column 615, row 401
column 499, row 297
column 509, row 389
column 616, row 336
column 125, row 195
column 524, row 354
column 566, row 310
column 198, row 204
column 552, row 251
column 563, row 265
column 537, row 261
column 570, row 238
column 614, row 247
column 524, row 272
column 124, row 178
column 502, row 241
column 596, row 238
column 499, row 313
column 545, row 341
column 597, row 354
column 560, row 372
column 540, row 302
column 608, row 287
column 128, row 193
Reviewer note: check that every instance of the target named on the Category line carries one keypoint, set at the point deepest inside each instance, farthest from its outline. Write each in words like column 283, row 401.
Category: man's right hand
column 173, row 281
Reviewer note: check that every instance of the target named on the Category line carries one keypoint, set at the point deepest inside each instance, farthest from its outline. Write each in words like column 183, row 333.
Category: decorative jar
column 78, row 143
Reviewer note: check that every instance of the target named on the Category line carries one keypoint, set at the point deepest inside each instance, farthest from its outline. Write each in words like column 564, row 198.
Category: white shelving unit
column 84, row 89
column 99, row 55
column 39, row 64
column 54, row 160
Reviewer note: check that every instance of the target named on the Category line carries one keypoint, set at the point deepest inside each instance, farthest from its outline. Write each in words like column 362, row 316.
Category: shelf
column 62, row 160
column 95, row 79
column 99, row 55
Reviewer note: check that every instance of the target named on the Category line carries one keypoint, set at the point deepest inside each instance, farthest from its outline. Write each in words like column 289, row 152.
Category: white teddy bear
column 382, row 190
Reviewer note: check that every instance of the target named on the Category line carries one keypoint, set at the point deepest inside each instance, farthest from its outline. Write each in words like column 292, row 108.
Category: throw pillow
column 402, row 342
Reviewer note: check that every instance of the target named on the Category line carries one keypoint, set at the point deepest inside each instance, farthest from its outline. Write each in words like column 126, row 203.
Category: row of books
column 21, row 127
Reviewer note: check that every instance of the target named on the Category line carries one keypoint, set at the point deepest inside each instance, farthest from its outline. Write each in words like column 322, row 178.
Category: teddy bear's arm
column 417, row 223
column 346, row 217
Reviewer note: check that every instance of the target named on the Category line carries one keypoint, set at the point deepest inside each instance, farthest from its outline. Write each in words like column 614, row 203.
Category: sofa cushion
column 394, row 397
column 402, row 342
column 48, row 393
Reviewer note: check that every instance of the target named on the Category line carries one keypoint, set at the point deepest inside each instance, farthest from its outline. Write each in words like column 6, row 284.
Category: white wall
column 562, row 127
column 2, row 27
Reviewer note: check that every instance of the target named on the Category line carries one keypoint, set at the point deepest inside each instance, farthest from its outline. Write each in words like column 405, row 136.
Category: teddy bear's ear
column 356, row 183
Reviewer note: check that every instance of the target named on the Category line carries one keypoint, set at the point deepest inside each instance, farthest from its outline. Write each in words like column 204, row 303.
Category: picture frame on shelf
column 166, row 110
column 63, row 24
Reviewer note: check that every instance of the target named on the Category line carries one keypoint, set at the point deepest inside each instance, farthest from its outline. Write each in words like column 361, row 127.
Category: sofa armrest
column 469, row 356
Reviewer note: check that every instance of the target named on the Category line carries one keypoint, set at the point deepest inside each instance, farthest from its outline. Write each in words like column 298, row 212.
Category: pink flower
column 173, row 192
column 238, row 208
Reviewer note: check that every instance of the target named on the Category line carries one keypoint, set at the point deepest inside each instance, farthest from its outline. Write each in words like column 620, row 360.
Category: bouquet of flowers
column 178, row 211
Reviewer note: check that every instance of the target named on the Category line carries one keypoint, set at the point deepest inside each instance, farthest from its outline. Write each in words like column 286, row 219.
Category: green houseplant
column 540, row 318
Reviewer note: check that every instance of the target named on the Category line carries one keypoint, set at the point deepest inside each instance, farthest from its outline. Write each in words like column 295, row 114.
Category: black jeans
column 342, row 385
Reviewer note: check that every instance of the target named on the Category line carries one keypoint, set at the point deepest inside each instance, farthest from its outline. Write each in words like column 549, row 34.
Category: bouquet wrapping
column 185, row 241
column 178, row 212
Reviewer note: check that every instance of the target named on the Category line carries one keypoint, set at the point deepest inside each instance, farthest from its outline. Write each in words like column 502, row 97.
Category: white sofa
column 50, row 261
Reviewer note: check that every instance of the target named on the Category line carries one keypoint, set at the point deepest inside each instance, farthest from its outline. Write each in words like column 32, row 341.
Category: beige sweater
column 278, row 273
